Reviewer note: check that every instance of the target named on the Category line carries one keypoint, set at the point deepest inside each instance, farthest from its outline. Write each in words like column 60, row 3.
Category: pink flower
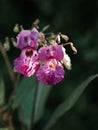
column 51, row 52
column 27, row 38
column 27, row 64
column 28, row 52
column 51, row 73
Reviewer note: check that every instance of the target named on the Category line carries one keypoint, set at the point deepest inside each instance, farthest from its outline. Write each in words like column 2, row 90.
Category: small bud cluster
column 42, row 54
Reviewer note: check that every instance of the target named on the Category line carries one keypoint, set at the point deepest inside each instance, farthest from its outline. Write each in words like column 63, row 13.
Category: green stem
column 12, row 97
column 17, row 80
column 34, row 106
column 6, row 59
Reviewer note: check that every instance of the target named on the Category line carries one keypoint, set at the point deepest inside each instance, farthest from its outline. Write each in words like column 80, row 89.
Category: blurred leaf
column 2, row 90
column 45, row 28
column 69, row 102
column 4, row 128
column 23, row 89
column 26, row 107
column 27, row 104
column 25, row 96
column 24, row 99
column 43, row 92
column 90, row 57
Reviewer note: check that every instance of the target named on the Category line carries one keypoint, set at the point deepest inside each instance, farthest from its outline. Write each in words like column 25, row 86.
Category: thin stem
column 17, row 80
column 14, row 90
column 12, row 77
column 68, row 43
column 72, row 46
column 12, row 97
column 6, row 59
column 34, row 106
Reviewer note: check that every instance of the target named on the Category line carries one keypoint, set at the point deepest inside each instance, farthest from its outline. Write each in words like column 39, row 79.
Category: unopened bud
column 36, row 22
column 73, row 48
column 66, row 60
column 16, row 28
column 58, row 38
column 65, row 37
column 6, row 44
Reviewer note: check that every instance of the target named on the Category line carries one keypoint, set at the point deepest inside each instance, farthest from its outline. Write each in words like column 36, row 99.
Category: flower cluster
column 41, row 57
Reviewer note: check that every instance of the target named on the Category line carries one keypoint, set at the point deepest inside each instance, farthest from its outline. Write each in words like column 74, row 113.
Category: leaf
column 26, row 107
column 4, row 128
column 24, row 99
column 25, row 96
column 69, row 102
column 23, row 90
column 43, row 92
column 45, row 28
column 2, row 90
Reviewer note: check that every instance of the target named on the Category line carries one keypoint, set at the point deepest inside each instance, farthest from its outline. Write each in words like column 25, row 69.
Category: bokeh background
column 79, row 20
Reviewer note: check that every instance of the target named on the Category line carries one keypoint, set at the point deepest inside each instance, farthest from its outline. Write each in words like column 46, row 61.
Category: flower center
column 29, row 52
column 52, row 64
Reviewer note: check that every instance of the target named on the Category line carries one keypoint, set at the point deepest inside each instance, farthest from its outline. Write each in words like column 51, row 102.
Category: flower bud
column 65, row 37
column 6, row 44
column 73, row 48
column 58, row 38
column 66, row 60
column 16, row 28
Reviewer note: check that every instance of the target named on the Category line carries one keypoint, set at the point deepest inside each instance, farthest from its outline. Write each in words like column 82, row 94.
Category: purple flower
column 51, row 52
column 28, row 52
column 27, row 38
column 27, row 64
column 51, row 73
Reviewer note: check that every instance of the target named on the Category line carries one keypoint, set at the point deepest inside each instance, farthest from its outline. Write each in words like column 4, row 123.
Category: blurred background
column 79, row 20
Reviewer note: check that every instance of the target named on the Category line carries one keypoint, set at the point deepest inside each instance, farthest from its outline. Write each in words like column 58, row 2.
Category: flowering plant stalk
column 42, row 55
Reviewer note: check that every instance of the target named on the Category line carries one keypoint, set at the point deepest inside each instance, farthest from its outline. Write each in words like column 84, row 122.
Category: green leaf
column 23, row 89
column 2, row 90
column 24, row 99
column 4, row 128
column 69, row 102
column 25, row 111
column 25, row 96
column 26, row 106
column 45, row 28
column 43, row 92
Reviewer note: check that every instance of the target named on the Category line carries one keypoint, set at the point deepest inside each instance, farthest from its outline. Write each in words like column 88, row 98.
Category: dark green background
column 79, row 20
